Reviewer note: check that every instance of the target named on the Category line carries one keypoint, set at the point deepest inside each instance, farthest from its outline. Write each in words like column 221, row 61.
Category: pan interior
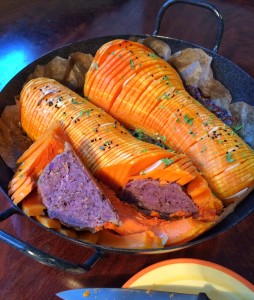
column 239, row 83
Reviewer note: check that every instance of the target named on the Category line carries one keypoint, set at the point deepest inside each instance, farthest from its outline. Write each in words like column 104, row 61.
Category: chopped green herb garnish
column 153, row 55
column 102, row 148
column 229, row 157
column 20, row 175
column 76, row 102
column 143, row 150
column 132, row 64
column 204, row 149
column 81, row 113
column 107, row 143
column 167, row 161
column 220, row 142
column 87, row 112
column 161, row 106
column 188, row 120
column 238, row 127
column 139, row 134
column 166, row 96
column 191, row 133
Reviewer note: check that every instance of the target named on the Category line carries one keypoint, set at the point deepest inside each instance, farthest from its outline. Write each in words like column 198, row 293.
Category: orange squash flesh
column 186, row 125
column 33, row 162
column 32, row 205
column 134, row 87
column 119, row 63
column 49, row 223
column 114, row 165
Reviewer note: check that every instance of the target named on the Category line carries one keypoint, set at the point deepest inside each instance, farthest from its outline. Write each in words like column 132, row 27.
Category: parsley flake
column 188, row 120
column 152, row 55
column 73, row 101
column 139, row 134
column 238, row 127
column 167, row 161
column 132, row 64
column 166, row 96
column 87, row 112
column 143, row 150
column 204, row 149
column 229, row 157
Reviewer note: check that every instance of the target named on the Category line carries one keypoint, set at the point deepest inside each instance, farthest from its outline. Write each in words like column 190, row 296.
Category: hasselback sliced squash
column 136, row 230
column 151, row 97
column 112, row 154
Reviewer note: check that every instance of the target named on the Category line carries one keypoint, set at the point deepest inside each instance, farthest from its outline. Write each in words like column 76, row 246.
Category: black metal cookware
column 240, row 84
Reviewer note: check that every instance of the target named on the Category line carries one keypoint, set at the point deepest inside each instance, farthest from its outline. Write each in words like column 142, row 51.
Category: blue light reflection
column 13, row 58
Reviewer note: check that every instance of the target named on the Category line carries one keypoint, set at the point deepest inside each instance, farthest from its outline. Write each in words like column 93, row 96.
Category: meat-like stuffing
column 71, row 194
column 169, row 198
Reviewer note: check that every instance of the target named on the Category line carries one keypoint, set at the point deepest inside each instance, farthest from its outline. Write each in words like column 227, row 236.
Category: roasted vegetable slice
column 155, row 101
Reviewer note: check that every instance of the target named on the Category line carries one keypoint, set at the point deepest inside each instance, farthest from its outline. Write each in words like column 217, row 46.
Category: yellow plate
column 193, row 276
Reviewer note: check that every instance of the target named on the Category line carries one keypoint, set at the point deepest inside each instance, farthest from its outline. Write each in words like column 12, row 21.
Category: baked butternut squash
column 112, row 154
column 150, row 96
column 115, row 157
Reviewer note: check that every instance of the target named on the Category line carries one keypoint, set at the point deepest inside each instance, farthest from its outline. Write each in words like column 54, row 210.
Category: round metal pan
column 239, row 83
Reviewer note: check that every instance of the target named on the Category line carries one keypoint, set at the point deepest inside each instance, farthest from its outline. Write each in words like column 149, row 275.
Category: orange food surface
column 52, row 114
column 144, row 92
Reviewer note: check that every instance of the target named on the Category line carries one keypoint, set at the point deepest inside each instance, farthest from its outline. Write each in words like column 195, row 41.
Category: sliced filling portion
column 169, row 198
column 71, row 195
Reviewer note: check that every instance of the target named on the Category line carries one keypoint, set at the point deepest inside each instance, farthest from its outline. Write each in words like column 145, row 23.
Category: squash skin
column 188, row 127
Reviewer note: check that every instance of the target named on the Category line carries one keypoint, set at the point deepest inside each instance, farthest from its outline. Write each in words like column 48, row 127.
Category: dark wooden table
column 29, row 29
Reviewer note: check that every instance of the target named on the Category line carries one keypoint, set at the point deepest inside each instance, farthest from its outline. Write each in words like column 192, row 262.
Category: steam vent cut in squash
column 139, row 172
column 144, row 92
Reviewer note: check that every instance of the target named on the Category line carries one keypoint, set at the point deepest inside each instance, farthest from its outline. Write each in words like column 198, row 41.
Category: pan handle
column 199, row 3
column 43, row 257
